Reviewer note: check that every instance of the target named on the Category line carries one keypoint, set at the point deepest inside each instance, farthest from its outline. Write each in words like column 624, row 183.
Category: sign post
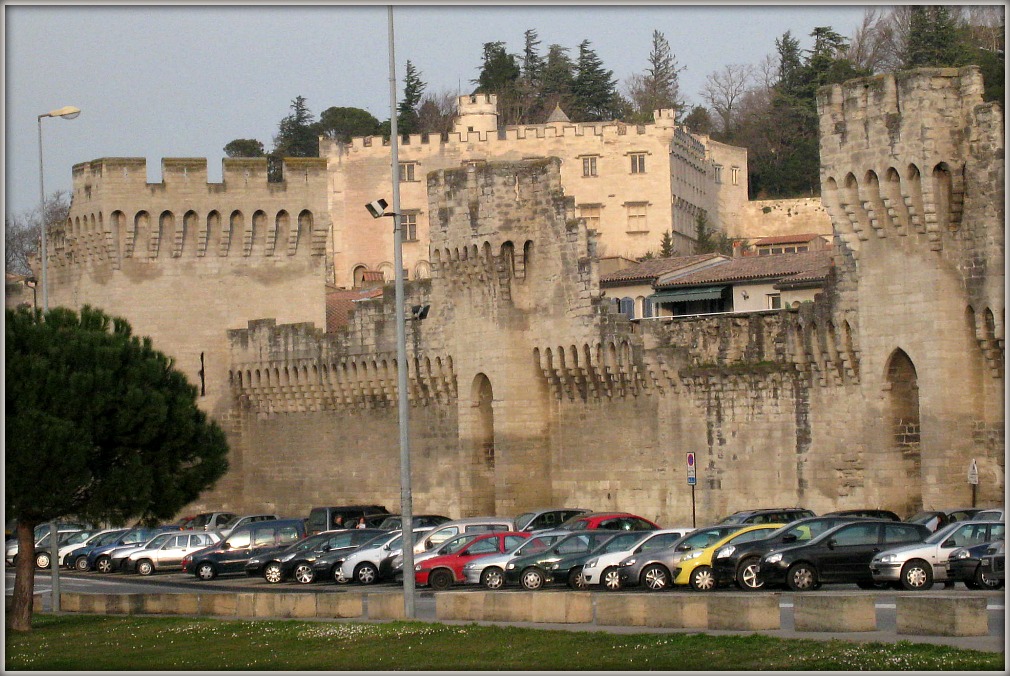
column 973, row 480
column 692, row 480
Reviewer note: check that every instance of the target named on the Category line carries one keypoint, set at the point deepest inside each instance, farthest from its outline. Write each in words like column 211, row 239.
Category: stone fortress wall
column 630, row 209
column 771, row 218
column 526, row 390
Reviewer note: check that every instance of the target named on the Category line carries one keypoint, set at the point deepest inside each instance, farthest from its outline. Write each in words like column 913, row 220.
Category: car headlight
column 773, row 558
column 692, row 555
column 554, row 566
column 723, row 552
column 510, row 566
column 591, row 563
column 961, row 554
column 629, row 562
column 417, row 568
column 887, row 558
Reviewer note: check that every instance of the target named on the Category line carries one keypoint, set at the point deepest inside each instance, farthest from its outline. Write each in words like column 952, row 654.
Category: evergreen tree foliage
column 499, row 75
column 666, row 249
column 932, row 38
column 244, row 147
column 296, row 134
column 342, row 124
column 530, row 83
column 708, row 240
column 698, row 121
column 558, row 80
column 659, row 86
column 594, row 88
column 407, row 120
column 99, row 426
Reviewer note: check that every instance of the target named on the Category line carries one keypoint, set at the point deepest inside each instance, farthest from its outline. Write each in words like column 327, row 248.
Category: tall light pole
column 69, row 113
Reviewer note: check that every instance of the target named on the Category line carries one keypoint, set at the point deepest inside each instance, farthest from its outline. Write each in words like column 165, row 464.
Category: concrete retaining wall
column 921, row 615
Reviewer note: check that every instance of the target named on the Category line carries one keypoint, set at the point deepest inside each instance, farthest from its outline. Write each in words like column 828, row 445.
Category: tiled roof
column 786, row 239
column 809, row 266
column 340, row 302
column 648, row 270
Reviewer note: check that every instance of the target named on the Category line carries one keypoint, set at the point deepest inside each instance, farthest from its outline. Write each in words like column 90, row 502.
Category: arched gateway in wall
column 902, row 388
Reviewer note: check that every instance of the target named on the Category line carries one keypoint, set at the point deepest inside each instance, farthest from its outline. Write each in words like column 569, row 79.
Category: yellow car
column 695, row 567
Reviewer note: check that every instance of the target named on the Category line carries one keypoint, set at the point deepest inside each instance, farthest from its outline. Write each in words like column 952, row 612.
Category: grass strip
column 102, row 642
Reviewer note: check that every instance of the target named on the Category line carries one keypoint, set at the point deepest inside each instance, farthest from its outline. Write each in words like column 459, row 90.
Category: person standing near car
column 338, row 521
column 361, row 522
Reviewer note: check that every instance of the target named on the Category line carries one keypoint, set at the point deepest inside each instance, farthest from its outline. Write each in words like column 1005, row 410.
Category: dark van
column 324, row 518
column 252, row 539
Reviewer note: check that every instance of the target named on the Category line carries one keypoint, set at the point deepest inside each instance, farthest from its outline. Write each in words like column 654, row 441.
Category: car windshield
column 109, row 538
column 620, row 542
column 943, row 533
column 158, row 541
column 536, row 545
column 523, row 520
column 79, row 537
column 804, row 531
column 457, row 543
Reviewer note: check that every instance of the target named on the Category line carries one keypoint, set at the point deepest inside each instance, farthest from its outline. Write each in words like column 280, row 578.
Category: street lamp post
column 69, row 113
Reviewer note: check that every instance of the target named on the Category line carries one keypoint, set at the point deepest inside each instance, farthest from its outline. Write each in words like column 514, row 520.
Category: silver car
column 490, row 570
column 918, row 566
column 165, row 551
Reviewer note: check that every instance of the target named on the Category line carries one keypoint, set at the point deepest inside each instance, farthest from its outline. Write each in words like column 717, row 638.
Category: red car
column 608, row 521
column 441, row 572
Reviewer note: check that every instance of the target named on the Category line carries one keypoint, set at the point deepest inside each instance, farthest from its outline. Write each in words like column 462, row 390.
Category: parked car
column 209, row 520
column 231, row 524
column 117, row 556
column 165, row 551
column 695, row 567
column 450, row 529
column 100, row 558
column 370, row 563
column 884, row 514
column 839, row 554
column 296, row 561
column 604, row 568
column 608, row 521
column 441, row 572
column 41, row 542
column 738, row 563
column 993, row 562
column 325, row 518
column 490, row 570
column 991, row 514
column 937, row 519
column 965, row 565
column 395, row 521
column 536, row 569
column 231, row 554
column 779, row 515
column 654, row 569
column 70, row 551
column 915, row 567
column 546, row 519
column 78, row 558
column 67, row 543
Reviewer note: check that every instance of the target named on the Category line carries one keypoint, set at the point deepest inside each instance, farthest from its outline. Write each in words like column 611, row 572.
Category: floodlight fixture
column 378, row 208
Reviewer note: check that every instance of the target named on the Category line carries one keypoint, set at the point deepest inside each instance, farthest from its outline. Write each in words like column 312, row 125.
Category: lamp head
column 68, row 112
column 377, row 208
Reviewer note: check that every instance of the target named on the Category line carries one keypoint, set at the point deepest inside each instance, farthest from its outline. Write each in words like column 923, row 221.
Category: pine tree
column 594, row 88
column 296, row 135
column 407, row 120
column 933, row 38
column 499, row 75
column 666, row 249
column 558, row 80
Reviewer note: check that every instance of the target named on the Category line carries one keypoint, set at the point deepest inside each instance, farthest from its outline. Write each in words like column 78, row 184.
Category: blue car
column 100, row 558
column 78, row 558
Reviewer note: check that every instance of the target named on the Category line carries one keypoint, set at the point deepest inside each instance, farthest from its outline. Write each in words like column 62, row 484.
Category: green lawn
column 100, row 642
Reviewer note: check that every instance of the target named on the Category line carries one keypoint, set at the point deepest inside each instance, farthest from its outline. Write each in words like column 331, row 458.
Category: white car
column 604, row 568
column 165, row 551
column 917, row 566
column 231, row 524
column 11, row 553
column 450, row 529
column 991, row 514
column 371, row 562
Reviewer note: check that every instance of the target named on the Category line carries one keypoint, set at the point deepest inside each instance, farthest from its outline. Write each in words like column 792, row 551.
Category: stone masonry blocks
column 834, row 612
column 743, row 612
column 385, row 606
column 348, row 604
column 931, row 615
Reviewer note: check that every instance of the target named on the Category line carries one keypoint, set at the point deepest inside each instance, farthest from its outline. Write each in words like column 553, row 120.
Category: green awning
column 687, row 295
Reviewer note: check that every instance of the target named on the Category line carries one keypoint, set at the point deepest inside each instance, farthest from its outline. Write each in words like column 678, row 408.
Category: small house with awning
column 746, row 284
column 630, row 285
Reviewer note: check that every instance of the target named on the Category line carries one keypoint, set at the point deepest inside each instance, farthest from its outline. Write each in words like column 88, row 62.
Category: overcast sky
column 184, row 80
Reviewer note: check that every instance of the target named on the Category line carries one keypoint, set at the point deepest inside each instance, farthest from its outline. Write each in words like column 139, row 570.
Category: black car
column 770, row 515
column 737, row 564
column 296, row 560
column 233, row 553
column 884, row 514
column 534, row 570
column 840, row 554
column 965, row 565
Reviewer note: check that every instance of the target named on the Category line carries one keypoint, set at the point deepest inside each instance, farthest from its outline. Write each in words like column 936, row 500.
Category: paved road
column 117, row 583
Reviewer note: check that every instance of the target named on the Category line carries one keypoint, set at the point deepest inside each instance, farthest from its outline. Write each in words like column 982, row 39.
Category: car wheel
column 103, row 564
column 440, row 580
column 532, row 579
column 917, row 575
column 366, row 573
column 145, row 567
column 42, row 560
column 983, row 581
column 655, row 577
column 205, row 571
column 272, row 573
column 576, row 580
column 747, row 577
column 81, row 564
column 702, row 579
column 338, row 575
column 802, row 577
column 492, row 578
column 304, row 574
column 611, row 579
